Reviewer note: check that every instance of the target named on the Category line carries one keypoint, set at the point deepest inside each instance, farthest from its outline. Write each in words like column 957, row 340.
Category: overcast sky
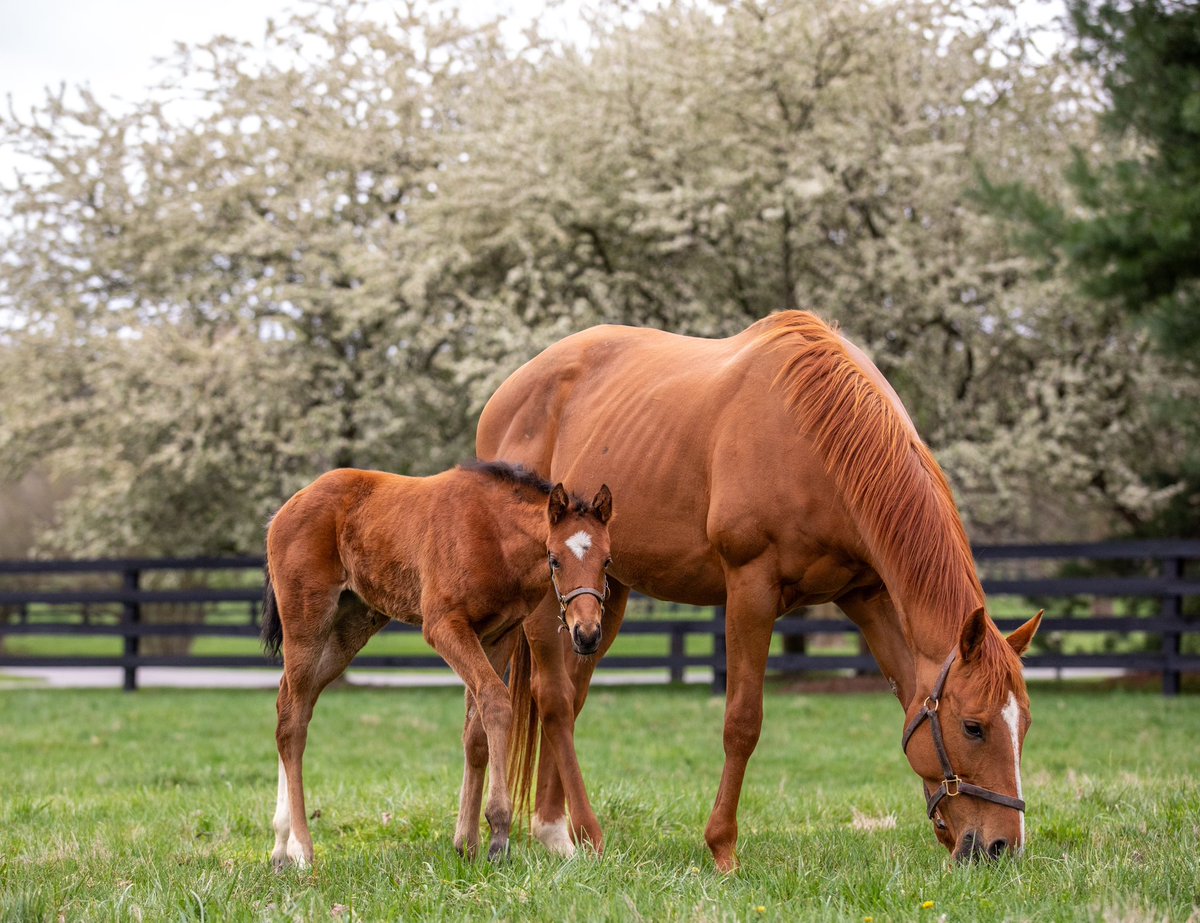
column 110, row 45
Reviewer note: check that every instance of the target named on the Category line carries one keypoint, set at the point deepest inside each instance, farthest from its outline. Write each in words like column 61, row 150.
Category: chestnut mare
column 466, row 555
column 773, row 469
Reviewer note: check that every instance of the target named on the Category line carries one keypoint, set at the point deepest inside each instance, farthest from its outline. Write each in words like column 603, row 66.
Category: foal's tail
column 272, row 624
column 524, row 731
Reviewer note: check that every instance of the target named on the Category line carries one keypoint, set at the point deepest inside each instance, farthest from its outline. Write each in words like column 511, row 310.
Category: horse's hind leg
column 475, row 750
column 312, row 660
column 452, row 637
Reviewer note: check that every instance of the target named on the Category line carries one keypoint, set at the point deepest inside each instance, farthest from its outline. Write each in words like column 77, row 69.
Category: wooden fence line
column 36, row 607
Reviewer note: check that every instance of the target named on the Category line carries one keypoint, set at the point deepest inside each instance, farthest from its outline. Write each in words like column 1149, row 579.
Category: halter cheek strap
column 565, row 600
column 951, row 785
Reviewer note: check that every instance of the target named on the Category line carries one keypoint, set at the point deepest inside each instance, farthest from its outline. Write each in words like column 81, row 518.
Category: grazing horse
column 466, row 555
column 782, row 471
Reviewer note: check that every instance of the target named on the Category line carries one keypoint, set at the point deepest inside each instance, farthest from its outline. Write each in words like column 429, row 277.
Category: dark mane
column 521, row 477
column 517, row 475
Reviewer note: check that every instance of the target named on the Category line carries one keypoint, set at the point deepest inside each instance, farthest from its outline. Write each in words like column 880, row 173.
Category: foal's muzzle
column 586, row 642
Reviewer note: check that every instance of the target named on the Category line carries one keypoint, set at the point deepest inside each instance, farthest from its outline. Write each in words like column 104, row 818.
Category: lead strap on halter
column 951, row 785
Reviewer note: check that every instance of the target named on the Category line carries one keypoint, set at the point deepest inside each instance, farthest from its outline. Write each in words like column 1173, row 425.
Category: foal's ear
column 1019, row 640
column 974, row 629
column 559, row 504
column 602, row 504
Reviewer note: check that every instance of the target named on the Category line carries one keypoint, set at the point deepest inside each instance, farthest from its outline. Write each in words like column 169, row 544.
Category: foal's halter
column 951, row 785
column 564, row 600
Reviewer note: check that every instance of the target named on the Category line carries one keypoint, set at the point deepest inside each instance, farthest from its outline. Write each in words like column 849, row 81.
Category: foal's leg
column 452, row 637
column 750, row 612
column 475, row 747
column 352, row 626
column 549, row 825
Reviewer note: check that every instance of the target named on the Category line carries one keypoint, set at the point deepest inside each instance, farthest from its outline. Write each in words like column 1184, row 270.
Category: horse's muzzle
column 972, row 848
column 585, row 642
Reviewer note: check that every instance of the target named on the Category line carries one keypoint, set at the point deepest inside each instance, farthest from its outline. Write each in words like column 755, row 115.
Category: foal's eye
column 554, row 562
column 607, row 563
column 973, row 729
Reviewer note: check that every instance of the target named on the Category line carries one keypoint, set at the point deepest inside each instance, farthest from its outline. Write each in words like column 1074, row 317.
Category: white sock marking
column 579, row 543
column 283, row 818
column 554, row 835
column 1011, row 715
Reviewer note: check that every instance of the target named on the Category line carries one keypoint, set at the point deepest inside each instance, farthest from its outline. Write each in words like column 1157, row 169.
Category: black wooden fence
column 1131, row 606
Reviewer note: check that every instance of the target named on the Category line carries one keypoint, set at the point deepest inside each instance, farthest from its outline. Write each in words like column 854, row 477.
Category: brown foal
column 466, row 555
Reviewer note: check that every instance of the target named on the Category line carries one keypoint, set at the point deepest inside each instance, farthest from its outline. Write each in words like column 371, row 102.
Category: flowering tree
column 330, row 250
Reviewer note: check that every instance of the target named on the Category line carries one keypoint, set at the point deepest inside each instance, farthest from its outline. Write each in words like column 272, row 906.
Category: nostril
column 998, row 848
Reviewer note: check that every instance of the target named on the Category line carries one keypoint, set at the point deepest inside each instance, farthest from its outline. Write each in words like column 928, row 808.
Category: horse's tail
column 272, row 624
column 524, row 730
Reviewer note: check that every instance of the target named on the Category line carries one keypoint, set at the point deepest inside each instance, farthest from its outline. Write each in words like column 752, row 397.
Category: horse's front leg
column 475, row 751
column 452, row 637
column 555, row 696
column 750, row 612
column 549, row 825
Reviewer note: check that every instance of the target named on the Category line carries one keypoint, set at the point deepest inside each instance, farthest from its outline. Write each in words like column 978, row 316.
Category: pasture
column 157, row 806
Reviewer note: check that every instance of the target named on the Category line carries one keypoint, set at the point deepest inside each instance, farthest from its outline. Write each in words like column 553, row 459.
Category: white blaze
column 1011, row 714
column 579, row 543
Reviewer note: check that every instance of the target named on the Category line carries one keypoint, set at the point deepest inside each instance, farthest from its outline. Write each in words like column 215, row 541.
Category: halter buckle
column 956, row 782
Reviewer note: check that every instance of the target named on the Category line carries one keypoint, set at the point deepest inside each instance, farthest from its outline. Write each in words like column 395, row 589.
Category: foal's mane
column 889, row 480
column 517, row 475
column 521, row 477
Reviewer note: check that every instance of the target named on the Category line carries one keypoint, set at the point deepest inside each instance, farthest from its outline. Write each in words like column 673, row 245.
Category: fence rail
column 1140, row 598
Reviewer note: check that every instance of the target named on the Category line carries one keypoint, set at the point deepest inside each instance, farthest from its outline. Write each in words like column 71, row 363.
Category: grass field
column 156, row 806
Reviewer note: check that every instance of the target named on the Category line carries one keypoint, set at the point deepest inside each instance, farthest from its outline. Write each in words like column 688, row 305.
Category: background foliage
column 329, row 249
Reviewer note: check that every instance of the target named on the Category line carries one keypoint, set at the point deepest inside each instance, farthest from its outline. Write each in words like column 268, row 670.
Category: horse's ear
column 1019, row 640
column 602, row 504
column 974, row 630
column 559, row 504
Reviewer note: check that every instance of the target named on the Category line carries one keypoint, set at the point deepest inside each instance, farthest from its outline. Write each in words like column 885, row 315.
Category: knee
column 742, row 729
column 475, row 744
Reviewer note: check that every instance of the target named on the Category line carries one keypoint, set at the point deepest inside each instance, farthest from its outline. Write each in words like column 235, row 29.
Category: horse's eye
column 973, row 729
column 554, row 562
column 607, row 563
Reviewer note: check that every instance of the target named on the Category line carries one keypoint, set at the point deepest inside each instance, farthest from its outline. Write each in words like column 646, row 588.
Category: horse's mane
column 521, row 477
column 517, row 475
column 888, row 479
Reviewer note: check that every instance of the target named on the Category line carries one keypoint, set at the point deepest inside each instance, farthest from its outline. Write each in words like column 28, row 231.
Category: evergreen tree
column 1131, row 232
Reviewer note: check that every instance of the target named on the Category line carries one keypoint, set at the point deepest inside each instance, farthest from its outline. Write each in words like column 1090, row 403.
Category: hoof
column 498, row 852
column 280, row 861
column 727, row 863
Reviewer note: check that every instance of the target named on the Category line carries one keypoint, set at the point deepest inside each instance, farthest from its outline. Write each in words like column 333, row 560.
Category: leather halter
column 951, row 785
column 565, row 600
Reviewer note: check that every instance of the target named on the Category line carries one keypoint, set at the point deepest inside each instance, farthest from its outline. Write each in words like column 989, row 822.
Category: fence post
column 131, row 617
column 1172, row 610
column 678, row 650
column 719, row 672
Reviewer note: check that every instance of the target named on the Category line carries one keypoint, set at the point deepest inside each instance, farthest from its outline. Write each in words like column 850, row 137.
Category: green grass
column 156, row 806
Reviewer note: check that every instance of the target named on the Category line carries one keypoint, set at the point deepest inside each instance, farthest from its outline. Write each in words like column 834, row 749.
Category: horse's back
column 702, row 455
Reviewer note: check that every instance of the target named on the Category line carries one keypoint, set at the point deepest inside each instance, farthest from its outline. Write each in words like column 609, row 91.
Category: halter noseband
column 951, row 785
column 565, row 600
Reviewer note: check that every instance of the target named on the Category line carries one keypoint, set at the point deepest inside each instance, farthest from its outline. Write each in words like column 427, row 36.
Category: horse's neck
column 525, row 532
column 909, row 637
